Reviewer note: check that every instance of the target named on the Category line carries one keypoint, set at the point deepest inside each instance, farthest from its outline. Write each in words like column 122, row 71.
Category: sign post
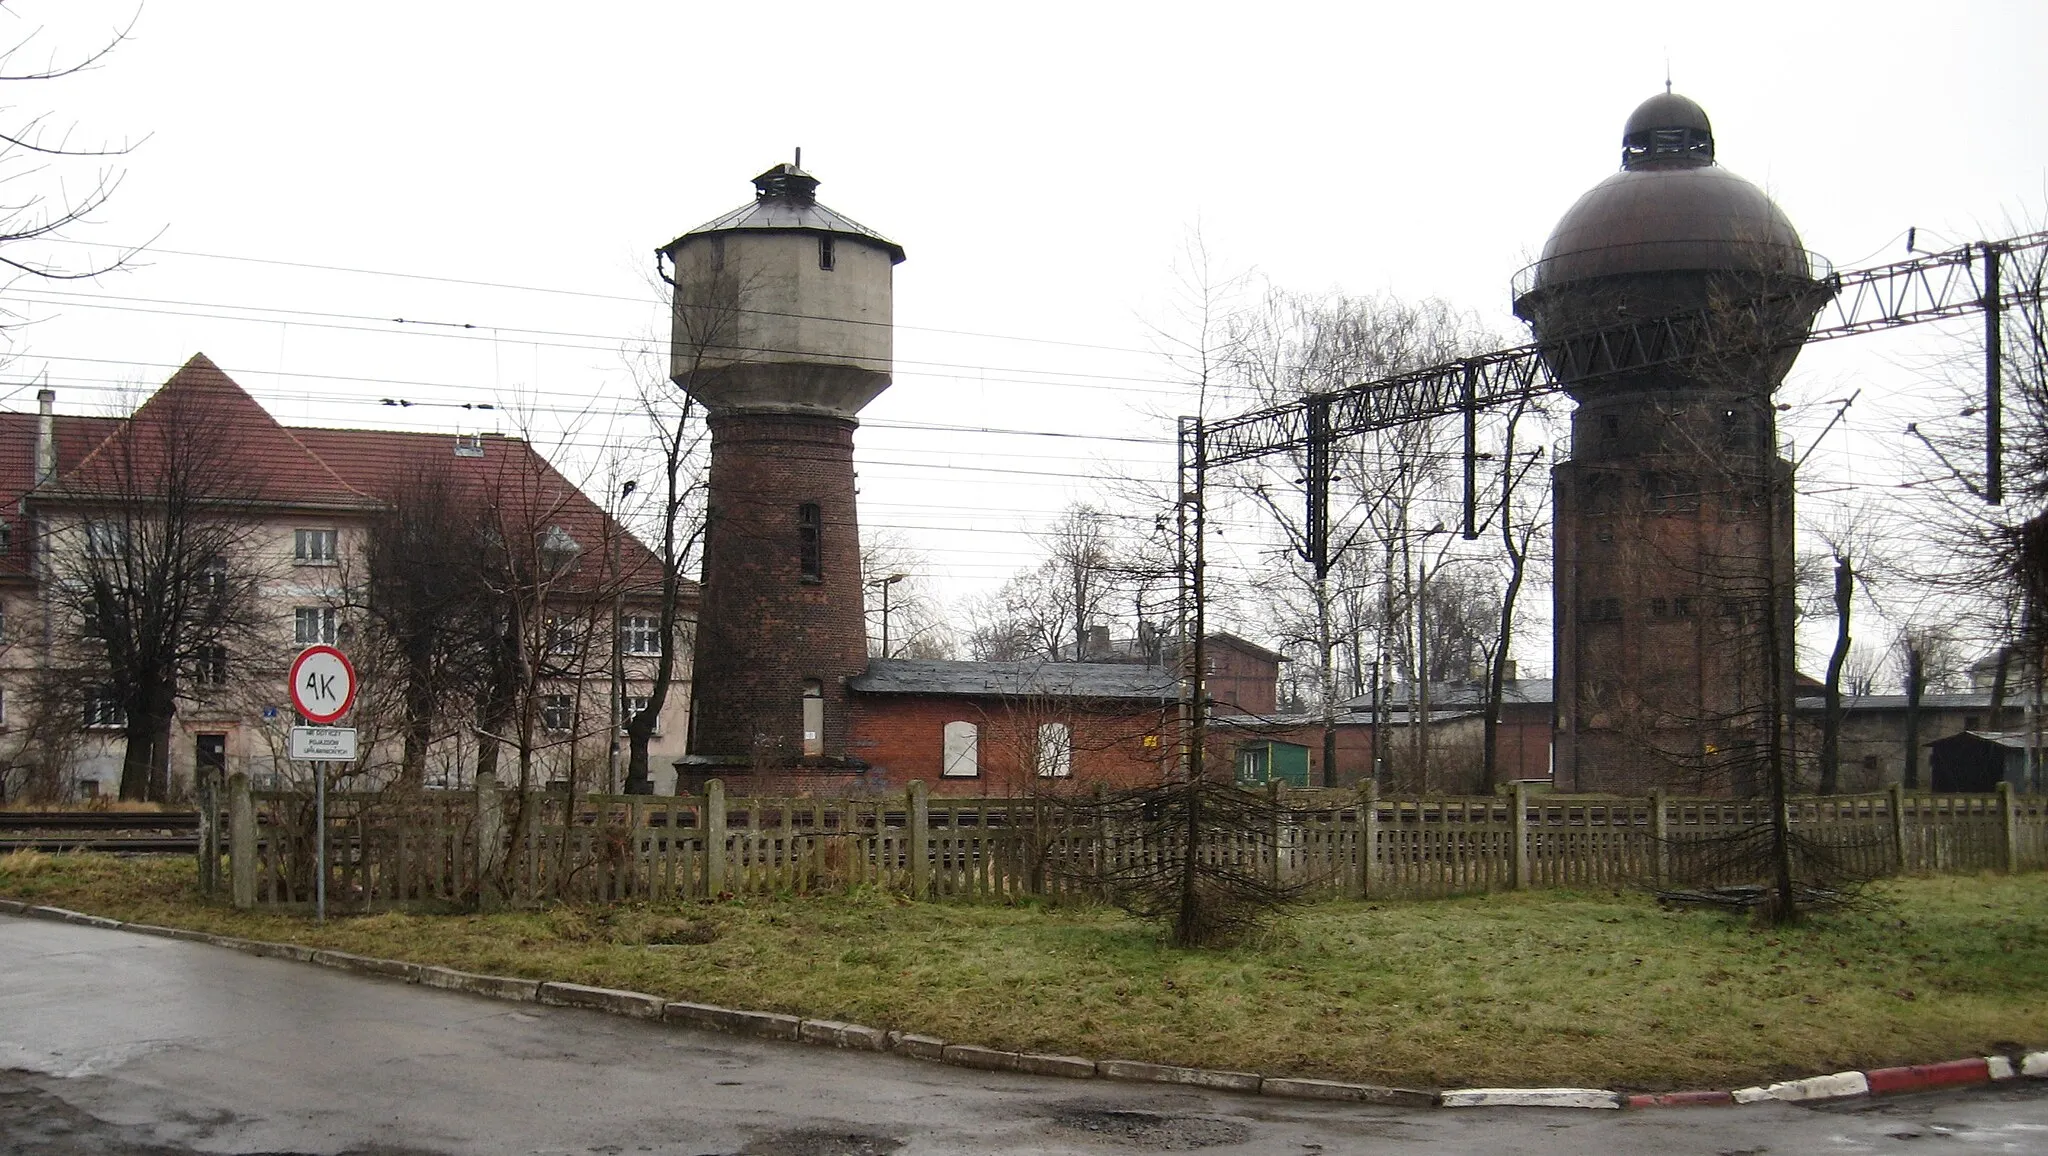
column 323, row 687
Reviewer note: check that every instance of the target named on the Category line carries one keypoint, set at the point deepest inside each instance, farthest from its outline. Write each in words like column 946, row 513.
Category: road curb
column 1965, row 1072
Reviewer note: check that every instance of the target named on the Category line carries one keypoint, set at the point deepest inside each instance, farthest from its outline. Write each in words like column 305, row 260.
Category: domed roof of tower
column 786, row 198
column 1671, row 208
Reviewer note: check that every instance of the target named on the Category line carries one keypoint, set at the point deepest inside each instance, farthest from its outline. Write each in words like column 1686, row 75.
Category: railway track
column 99, row 821
column 117, row 832
column 139, row 845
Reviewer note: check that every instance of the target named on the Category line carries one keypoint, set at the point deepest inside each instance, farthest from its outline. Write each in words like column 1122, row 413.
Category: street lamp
column 885, row 583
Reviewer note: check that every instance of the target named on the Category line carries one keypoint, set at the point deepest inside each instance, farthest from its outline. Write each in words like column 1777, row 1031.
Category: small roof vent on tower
column 1667, row 131
column 786, row 182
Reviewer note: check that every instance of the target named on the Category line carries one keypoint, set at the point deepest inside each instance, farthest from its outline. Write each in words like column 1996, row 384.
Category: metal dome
column 1671, row 209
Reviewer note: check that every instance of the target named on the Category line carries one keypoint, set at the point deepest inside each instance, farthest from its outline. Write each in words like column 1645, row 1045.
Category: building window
column 814, row 717
column 212, row 580
column 1673, row 491
column 6, row 537
column 1055, row 751
column 555, row 711
column 106, row 539
column 962, row 751
column 640, row 634
column 825, row 253
column 103, row 710
column 211, row 669
column 810, row 542
column 91, row 625
column 1603, row 610
column 635, row 703
column 313, row 547
column 561, row 634
column 313, row 624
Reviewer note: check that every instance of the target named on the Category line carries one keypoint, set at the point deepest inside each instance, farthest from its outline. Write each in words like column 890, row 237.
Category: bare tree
column 151, row 552
column 38, row 149
column 421, row 598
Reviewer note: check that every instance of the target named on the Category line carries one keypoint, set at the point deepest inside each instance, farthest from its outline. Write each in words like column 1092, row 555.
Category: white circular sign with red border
column 323, row 684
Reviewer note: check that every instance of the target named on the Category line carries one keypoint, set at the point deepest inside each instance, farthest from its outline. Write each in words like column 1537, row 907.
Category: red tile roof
column 349, row 469
column 273, row 465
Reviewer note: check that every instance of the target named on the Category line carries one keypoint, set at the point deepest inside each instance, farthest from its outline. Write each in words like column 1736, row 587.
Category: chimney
column 46, row 435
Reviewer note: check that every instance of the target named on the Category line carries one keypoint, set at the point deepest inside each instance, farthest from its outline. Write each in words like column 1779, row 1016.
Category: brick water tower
column 1673, row 534
column 782, row 331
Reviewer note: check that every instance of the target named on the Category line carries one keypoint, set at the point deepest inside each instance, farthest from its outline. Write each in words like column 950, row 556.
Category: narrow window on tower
column 810, row 542
column 825, row 253
column 814, row 717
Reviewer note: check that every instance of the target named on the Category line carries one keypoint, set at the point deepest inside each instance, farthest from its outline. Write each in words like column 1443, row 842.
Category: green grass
column 1599, row 989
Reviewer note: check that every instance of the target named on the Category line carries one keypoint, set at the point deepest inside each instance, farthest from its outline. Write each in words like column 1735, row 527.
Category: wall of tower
column 773, row 614
column 1673, row 539
column 760, row 323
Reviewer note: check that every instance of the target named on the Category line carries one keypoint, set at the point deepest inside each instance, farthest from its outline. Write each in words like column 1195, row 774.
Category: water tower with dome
column 1673, row 514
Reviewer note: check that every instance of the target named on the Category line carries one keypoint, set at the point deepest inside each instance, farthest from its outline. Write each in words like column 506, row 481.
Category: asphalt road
column 117, row 1044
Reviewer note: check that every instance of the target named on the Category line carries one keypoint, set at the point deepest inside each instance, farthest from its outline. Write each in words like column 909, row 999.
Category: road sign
column 323, row 684
column 324, row 744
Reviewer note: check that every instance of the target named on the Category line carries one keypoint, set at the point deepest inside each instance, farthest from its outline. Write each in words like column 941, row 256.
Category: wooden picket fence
column 490, row 846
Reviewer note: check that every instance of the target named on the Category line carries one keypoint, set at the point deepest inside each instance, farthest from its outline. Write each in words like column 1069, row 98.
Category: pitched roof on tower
column 786, row 198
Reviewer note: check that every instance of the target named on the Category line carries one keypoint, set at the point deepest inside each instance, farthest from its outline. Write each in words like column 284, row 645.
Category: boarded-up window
column 1055, row 751
column 962, row 752
column 814, row 717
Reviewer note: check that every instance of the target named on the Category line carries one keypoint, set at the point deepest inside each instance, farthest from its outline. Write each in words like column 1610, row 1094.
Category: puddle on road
column 1150, row 1130
column 818, row 1142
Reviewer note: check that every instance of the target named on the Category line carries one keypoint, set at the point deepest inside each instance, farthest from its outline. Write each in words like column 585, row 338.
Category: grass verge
column 1529, row 988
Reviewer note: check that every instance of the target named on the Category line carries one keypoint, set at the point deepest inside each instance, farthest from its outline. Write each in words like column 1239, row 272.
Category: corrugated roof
column 1873, row 702
column 1463, row 694
column 1072, row 680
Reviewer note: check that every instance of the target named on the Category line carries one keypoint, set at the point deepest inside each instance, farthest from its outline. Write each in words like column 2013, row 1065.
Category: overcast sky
column 1043, row 165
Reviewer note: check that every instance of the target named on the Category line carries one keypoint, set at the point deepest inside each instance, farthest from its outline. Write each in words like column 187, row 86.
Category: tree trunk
column 1831, row 713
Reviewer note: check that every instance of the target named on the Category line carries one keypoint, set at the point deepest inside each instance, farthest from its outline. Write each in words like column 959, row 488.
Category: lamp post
column 885, row 583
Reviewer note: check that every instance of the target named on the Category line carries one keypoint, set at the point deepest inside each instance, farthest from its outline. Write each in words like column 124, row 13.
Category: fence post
column 1519, row 799
column 1898, row 806
column 1660, row 839
column 490, row 837
column 1369, row 845
column 242, row 840
column 2009, row 827
column 714, row 838
column 920, row 840
column 209, row 831
column 1273, row 830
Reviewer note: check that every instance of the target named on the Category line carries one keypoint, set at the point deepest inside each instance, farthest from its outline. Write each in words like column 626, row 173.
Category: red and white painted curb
column 1876, row 1082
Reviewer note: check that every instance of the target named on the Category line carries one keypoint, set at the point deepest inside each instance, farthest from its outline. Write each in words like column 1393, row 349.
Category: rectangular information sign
column 324, row 744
